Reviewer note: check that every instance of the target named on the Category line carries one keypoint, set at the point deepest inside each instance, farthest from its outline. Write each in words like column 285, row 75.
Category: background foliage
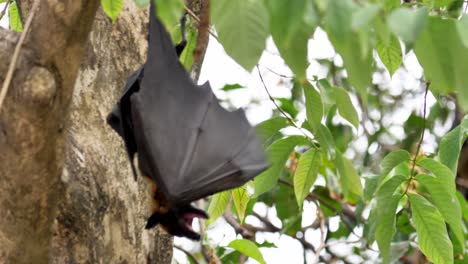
column 353, row 156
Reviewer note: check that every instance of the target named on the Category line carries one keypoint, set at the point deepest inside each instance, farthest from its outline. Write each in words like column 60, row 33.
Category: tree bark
column 102, row 215
column 66, row 191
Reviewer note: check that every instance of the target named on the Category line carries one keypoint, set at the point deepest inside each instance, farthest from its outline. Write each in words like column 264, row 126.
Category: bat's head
column 178, row 221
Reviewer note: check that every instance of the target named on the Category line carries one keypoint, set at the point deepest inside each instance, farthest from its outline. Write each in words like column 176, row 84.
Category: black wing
column 190, row 145
column 120, row 118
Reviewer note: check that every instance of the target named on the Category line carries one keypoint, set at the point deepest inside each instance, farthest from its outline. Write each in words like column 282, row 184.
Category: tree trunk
column 66, row 191
column 103, row 212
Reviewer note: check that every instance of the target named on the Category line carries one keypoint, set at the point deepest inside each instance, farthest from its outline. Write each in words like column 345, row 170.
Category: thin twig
column 194, row 16
column 322, row 234
column 413, row 161
column 191, row 13
column 277, row 73
column 186, row 252
column 14, row 59
column 5, row 7
column 283, row 75
column 423, row 129
column 277, row 106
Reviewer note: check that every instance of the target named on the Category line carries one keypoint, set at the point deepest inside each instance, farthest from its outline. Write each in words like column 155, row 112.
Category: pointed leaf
column 247, row 248
column 267, row 129
column 325, row 138
column 242, row 27
column 345, row 107
column 112, row 8
column 390, row 54
column 218, row 205
column 15, row 19
column 464, row 205
column 365, row 15
column 292, row 23
column 393, row 159
column 230, row 87
column 314, row 106
column 388, row 196
column 241, row 199
column 446, row 201
column 407, row 23
column 278, row 154
column 306, row 174
column 433, row 239
column 444, row 57
column 353, row 45
column 349, row 178
column 451, row 144
column 170, row 11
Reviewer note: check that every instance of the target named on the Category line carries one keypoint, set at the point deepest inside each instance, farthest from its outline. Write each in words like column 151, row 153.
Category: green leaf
column 142, row 3
column 451, row 144
column 170, row 12
column 186, row 58
column 442, row 188
column 370, row 187
column 393, row 159
column 433, row 239
column 314, row 106
column 330, row 206
column 242, row 27
column 218, row 205
column 407, row 23
column 440, row 170
column 292, row 23
column 247, row 248
column 327, row 93
column 241, row 199
column 464, row 205
column 462, row 27
column 388, row 196
column 404, row 223
column 268, row 129
column 446, row 201
column 287, row 105
column 349, row 178
column 353, row 45
column 15, row 19
column 444, row 58
column 306, row 174
column 325, row 138
column 278, row 154
column 345, row 107
column 364, row 16
column 390, row 54
column 230, row 87
column 112, row 8
column 287, row 210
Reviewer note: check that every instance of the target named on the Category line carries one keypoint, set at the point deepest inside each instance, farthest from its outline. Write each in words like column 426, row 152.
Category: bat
column 186, row 143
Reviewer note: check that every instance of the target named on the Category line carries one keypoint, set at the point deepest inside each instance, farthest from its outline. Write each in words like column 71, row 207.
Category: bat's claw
column 178, row 221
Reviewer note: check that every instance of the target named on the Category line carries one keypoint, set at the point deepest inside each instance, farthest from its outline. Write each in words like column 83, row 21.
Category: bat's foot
column 178, row 221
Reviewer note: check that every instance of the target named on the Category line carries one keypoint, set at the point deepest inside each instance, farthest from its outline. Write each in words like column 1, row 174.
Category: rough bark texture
column 89, row 210
column 102, row 218
column 31, row 124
